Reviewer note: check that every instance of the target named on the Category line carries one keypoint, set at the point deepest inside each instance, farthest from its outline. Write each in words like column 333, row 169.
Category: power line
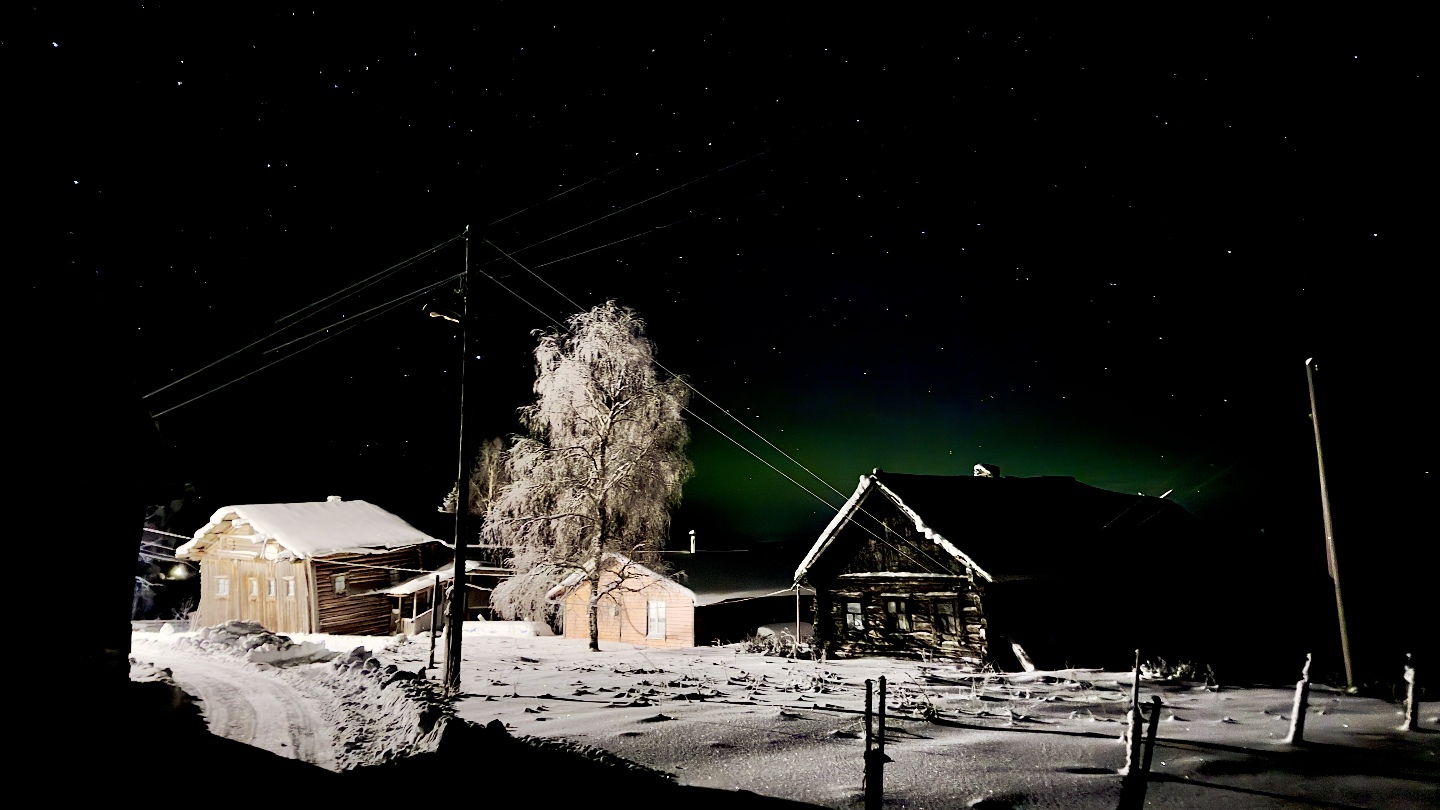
column 252, row 345
column 921, row 550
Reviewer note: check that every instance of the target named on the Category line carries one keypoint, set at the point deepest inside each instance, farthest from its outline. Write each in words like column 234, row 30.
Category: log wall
column 355, row 611
column 927, row 636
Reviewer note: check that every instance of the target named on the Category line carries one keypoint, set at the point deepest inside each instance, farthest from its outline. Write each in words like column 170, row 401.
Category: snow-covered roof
column 848, row 511
column 631, row 569
column 313, row 529
column 1011, row 528
column 445, row 573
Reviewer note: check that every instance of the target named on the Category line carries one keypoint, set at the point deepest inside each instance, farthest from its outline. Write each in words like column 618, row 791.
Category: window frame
column 897, row 614
column 854, row 619
column 947, row 613
column 222, row 587
column 655, row 619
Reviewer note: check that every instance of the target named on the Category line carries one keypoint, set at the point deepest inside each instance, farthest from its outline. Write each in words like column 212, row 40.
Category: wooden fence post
column 872, row 797
column 875, row 758
column 1300, row 706
column 1412, row 695
column 1133, row 736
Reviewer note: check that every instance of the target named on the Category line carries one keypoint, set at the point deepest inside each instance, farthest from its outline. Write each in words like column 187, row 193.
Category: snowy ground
column 719, row 717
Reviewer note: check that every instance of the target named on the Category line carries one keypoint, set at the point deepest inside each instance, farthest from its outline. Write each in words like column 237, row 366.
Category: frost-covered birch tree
column 593, row 482
column 488, row 475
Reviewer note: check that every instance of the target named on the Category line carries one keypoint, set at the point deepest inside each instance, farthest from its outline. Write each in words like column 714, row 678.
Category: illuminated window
column 270, row 588
column 339, row 583
column 254, row 588
column 655, row 619
column 290, row 587
column 854, row 619
column 222, row 586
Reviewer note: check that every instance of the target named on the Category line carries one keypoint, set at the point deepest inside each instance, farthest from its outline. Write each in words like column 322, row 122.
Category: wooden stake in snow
column 1133, row 737
column 875, row 758
column 1300, row 706
column 1412, row 696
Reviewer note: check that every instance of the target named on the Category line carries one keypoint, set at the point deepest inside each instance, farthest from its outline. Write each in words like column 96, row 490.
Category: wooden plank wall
column 355, row 612
column 624, row 614
column 250, row 597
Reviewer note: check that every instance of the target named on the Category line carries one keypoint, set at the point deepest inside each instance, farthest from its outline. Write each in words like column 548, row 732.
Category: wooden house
column 312, row 567
column 637, row 606
column 939, row 566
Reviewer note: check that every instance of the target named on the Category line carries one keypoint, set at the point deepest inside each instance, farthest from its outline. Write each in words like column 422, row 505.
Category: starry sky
column 1061, row 244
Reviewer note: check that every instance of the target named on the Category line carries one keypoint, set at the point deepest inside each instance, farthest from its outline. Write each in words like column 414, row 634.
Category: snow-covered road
column 249, row 704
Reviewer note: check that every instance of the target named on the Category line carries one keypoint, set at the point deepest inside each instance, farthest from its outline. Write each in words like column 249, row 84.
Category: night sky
column 1092, row 246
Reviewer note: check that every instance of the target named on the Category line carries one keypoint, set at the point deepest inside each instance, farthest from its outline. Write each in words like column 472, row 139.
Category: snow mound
column 515, row 629
column 253, row 642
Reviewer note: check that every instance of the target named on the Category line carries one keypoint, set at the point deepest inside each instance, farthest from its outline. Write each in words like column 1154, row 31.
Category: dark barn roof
column 1017, row 528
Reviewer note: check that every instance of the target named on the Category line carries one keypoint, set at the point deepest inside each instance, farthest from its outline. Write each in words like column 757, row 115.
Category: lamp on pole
column 1331, row 563
column 459, row 596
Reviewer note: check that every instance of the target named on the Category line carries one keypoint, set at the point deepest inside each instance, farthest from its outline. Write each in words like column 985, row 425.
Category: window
column 854, row 619
column 655, row 619
column 254, row 588
column 270, row 588
column 897, row 615
column 222, row 586
column 945, row 617
column 290, row 587
column 339, row 583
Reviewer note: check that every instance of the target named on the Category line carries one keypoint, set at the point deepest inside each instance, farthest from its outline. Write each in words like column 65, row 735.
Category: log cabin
column 931, row 567
column 637, row 606
column 314, row 567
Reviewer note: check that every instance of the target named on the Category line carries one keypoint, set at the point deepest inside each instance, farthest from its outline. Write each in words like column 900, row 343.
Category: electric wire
column 362, row 315
column 255, row 343
column 671, row 190
column 916, row 547
column 558, row 196
column 267, row 365
column 331, row 299
column 366, row 282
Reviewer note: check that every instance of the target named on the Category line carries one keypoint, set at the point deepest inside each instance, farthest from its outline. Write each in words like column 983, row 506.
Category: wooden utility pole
column 459, row 594
column 434, row 618
column 1332, row 563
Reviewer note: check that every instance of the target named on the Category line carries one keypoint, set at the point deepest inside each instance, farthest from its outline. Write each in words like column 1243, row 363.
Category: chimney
column 338, row 499
column 987, row 471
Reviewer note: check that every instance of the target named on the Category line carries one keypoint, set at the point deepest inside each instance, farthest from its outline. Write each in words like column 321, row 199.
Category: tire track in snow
column 251, row 706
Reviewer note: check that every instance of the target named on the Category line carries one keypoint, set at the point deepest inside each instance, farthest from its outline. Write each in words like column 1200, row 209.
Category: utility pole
column 459, row 593
column 1331, row 562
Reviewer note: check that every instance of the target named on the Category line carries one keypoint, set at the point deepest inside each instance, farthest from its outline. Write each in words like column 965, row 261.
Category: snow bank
column 512, row 629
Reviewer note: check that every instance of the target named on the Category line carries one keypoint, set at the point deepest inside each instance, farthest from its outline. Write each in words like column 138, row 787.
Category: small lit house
column 316, row 567
column 636, row 606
